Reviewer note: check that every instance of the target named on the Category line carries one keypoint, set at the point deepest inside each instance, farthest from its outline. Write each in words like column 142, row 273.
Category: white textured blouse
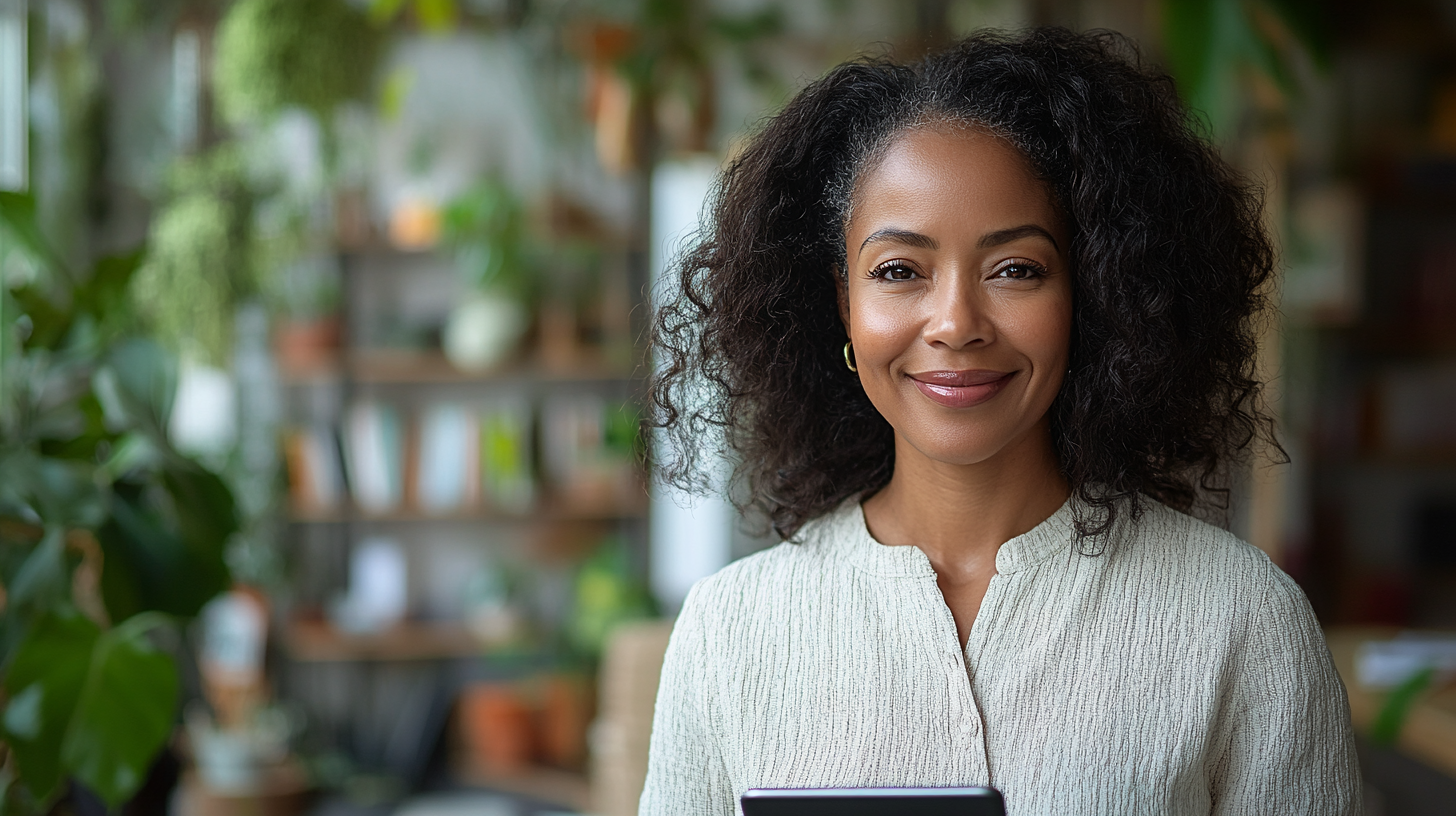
column 1178, row 672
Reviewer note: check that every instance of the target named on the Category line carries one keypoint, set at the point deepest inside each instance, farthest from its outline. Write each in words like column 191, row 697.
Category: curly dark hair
column 1169, row 260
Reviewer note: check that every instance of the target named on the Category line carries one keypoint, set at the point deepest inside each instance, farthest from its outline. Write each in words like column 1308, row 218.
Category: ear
column 841, row 292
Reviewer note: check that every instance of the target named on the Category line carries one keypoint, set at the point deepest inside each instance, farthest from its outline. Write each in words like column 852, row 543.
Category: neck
column 964, row 513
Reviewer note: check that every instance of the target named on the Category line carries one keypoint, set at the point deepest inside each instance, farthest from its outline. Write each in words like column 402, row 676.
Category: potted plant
column 108, row 535
column 486, row 230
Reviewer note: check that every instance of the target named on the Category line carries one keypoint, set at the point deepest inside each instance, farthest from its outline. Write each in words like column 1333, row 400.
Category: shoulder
column 1195, row 550
column 1212, row 568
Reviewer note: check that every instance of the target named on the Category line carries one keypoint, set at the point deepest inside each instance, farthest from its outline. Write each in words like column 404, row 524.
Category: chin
column 963, row 440
column 959, row 449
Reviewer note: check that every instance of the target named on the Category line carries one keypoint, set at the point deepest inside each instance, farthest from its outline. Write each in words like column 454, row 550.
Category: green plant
column 1391, row 718
column 276, row 54
column 607, row 593
column 437, row 16
column 667, row 51
column 486, row 228
column 199, row 263
column 1211, row 43
column 107, row 533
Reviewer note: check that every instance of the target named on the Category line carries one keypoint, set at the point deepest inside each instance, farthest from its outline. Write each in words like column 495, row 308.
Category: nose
column 958, row 314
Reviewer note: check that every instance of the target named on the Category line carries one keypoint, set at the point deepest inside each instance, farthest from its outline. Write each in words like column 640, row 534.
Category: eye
column 896, row 271
column 1020, row 270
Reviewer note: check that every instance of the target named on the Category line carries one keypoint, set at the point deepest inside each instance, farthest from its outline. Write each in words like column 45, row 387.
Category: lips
column 961, row 389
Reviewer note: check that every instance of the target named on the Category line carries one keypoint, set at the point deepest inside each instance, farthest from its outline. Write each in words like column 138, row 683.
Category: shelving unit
column 1430, row 731
column 549, row 785
column 1378, row 459
column 415, row 368
column 319, row 642
column 419, row 664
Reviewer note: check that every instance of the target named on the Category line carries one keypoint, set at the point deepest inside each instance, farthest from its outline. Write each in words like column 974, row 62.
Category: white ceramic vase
column 483, row 330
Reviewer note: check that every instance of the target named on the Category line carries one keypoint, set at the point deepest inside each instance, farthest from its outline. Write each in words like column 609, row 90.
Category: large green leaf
column 1207, row 41
column 205, row 511
column 136, row 386
column 99, row 302
column 44, row 684
column 43, row 580
column 125, row 711
column 1308, row 21
column 106, row 289
column 150, row 566
column 66, row 493
column 48, row 323
column 18, row 224
column 1391, row 717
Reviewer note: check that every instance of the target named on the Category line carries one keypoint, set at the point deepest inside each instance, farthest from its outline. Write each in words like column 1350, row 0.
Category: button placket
column 972, row 726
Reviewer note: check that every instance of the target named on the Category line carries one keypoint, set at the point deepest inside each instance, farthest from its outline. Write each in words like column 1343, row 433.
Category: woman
column 978, row 332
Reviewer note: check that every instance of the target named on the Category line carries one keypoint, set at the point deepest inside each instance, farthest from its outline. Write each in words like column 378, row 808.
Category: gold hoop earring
column 848, row 360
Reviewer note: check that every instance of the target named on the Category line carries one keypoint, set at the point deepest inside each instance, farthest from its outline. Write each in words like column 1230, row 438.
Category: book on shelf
column 447, row 479
column 1415, row 406
column 451, row 458
column 375, row 456
column 315, row 472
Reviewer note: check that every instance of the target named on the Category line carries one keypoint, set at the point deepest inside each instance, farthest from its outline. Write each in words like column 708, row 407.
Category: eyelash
column 882, row 271
column 1032, row 270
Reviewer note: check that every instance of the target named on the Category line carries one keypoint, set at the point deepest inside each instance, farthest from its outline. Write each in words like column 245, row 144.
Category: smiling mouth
column 961, row 389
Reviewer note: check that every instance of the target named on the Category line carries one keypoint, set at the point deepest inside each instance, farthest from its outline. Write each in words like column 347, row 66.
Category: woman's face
column 958, row 296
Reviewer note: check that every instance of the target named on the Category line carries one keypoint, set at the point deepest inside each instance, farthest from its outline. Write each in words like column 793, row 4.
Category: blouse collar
column 845, row 528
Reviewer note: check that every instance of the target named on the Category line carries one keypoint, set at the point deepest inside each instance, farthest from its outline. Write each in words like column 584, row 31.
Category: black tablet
column 873, row 802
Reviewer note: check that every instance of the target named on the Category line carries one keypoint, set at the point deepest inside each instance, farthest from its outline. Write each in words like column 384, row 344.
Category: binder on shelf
column 374, row 453
column 448, row 459
column 315, row 473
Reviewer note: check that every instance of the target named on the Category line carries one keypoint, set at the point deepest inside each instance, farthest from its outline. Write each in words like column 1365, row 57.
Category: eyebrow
column 1006, row 236
column 900, row 236
column 990, row 239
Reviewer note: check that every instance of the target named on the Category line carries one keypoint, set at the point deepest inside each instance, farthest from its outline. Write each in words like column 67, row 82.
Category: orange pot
column 566, row 712
column 305, row 346
column 497, row 726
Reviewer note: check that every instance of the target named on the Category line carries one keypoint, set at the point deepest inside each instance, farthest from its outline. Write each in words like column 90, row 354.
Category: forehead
column 955, row 177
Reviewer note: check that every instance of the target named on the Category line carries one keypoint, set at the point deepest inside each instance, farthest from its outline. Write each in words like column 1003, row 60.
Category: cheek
column 883, row 327
column 1041, row 328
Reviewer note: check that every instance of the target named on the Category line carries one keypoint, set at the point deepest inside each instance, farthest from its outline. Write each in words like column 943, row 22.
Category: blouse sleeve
column 1290, row 748
column 685, row 771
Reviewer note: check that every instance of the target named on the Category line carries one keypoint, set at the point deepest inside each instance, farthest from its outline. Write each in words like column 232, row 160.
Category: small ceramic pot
column 483, row 331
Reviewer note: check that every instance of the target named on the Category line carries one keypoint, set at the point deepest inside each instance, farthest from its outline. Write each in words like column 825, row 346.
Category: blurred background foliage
column 108, row 535
column 202, row 170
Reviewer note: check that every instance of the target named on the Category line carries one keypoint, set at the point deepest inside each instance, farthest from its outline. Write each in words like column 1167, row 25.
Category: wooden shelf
column 390, row 367
column 1396, row 340
column 1434, row 458
column 283, row 790
column 565, row 789
column 1429, row 734
column 542, row 513
column 322, row 642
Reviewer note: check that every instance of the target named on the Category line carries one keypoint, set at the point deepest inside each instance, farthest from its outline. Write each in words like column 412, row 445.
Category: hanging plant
column 276, row 54
column 199, row 263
